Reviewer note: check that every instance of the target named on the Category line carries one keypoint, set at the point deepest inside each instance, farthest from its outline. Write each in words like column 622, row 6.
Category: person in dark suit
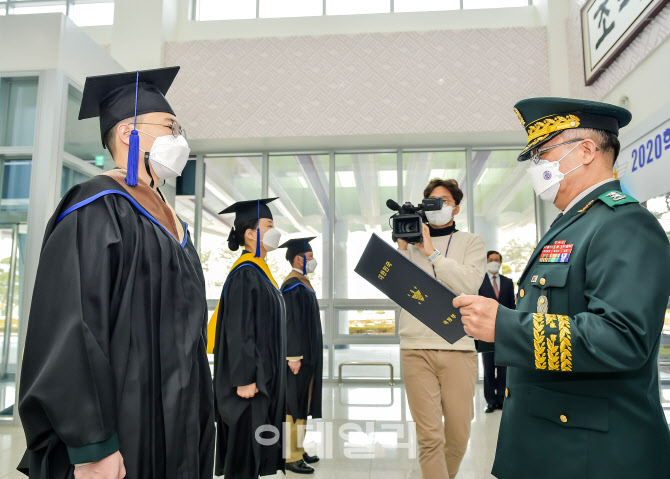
column 500, row 288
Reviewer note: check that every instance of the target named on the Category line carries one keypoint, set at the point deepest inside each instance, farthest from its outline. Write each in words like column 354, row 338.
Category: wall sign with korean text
column 608, row 26
column 643, row 167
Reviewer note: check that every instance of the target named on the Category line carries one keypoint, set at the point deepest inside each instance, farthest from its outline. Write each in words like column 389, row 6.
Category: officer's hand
column 247, row 391
column 295, row 366
column 479, row 316
column 110, row 467
column 402, row 244
column 426, row 247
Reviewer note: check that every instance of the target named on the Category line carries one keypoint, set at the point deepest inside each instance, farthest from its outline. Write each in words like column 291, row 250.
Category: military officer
column 582, row 396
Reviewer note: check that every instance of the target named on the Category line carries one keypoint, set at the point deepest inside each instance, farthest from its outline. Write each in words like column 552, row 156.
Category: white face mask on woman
column 271, row 239
column 441, row 217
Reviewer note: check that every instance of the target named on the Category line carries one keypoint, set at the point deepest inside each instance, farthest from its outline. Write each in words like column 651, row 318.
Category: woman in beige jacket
column 440, row 377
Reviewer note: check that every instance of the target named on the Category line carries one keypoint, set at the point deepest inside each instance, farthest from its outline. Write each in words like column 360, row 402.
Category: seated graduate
column 304, row 345
column 247, row 335
column 115, row 377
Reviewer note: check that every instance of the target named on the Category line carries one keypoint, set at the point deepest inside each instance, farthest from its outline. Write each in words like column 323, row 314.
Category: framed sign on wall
column 608, row 26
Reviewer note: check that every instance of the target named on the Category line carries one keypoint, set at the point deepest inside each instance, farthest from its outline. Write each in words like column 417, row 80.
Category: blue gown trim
column 254, row 267
column 133, row 202
column 296, row 285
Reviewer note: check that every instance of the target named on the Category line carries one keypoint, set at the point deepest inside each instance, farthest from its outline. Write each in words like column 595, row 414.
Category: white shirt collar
column 584, row 193
column 297, row 270
column 491, row 275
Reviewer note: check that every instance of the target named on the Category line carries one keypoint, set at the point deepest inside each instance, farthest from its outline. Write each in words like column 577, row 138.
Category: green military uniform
column 582, row 347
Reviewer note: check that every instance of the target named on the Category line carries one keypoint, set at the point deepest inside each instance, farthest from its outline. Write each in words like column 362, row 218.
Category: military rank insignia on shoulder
column 616, row 198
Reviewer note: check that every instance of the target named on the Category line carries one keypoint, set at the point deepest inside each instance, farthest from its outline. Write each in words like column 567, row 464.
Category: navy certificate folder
column 411, row 288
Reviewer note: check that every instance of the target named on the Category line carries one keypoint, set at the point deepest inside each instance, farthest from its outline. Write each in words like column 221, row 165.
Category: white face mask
column 271, row 239
column 440, row 217
column 546, row 176
column 493, row 267
column 311, row 265
column 168, row 155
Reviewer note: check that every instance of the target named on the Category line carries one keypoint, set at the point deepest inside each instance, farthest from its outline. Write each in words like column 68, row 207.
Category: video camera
column 407, row 222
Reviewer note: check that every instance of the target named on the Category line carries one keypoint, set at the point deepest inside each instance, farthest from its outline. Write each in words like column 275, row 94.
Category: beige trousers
column 440, row 384
column 297, row 430
column 296, row 439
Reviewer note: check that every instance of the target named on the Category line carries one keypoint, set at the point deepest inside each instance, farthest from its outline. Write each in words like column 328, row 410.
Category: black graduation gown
column 303, row 338
column 250, row 347
column 115, row 350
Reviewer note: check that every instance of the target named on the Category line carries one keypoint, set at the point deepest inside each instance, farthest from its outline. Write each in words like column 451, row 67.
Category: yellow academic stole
column 245, row 258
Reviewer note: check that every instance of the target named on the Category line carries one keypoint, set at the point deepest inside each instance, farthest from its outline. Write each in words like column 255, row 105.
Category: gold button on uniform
column 522, row 293
column 543, row 281
column 564, row 418
column 506, row 392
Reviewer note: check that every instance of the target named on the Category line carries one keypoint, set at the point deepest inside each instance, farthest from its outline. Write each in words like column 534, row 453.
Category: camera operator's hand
column 402, row 244
column 426, row 247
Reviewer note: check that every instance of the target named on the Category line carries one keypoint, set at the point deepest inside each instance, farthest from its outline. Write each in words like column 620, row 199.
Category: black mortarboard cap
column 249, row 210
column 297, row 246
column 112, row 97
column 246, row 211
column 545, row 117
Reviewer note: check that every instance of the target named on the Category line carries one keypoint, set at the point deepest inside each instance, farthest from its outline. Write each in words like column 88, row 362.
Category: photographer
column 440, row 377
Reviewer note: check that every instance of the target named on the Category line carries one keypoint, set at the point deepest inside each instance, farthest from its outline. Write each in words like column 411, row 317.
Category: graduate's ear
column 123, row 130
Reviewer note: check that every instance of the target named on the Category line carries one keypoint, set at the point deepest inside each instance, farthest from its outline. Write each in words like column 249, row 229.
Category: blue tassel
column 133, row 158
column 133, row 144
column 304, row 264
column 258, row 243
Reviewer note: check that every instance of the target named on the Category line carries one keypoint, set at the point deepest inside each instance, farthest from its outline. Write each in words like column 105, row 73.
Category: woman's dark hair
column 451, row 185
column 236, row 237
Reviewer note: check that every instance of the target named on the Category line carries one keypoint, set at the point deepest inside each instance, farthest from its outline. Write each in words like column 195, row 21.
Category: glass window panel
column 18, row 99
column 425, row 5
column 82, row 137
column 368, row 322
column 290, row 8
column 88, row 14
column 15, row 184
column 12, row 254
column 185, row 203
column 504, row 207
column 473, row 4
column 225, row 9
column 302, row 184
column 421, row 167
column 660, row 207
column 69, row 178
column 227, row 180
column 363, row 184
column 384, row 353
column 353, row 7
column 18, row 9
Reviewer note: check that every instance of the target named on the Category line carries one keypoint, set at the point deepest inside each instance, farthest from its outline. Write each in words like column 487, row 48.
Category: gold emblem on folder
column 416, row 294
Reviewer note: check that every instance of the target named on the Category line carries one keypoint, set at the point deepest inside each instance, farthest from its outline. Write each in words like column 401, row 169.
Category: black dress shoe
column 490, row 408
column 310, row 459
column 499, row 406
column 299, row 467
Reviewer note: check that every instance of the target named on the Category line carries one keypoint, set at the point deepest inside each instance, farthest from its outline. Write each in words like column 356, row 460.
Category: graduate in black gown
column 115, row 377
column 304, row 345
column 249, row 329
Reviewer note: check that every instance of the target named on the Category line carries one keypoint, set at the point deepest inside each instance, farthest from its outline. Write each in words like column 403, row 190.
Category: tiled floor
column 364, row 435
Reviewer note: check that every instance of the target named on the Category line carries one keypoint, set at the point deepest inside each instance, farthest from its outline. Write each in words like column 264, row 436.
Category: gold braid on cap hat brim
column 550, row 125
